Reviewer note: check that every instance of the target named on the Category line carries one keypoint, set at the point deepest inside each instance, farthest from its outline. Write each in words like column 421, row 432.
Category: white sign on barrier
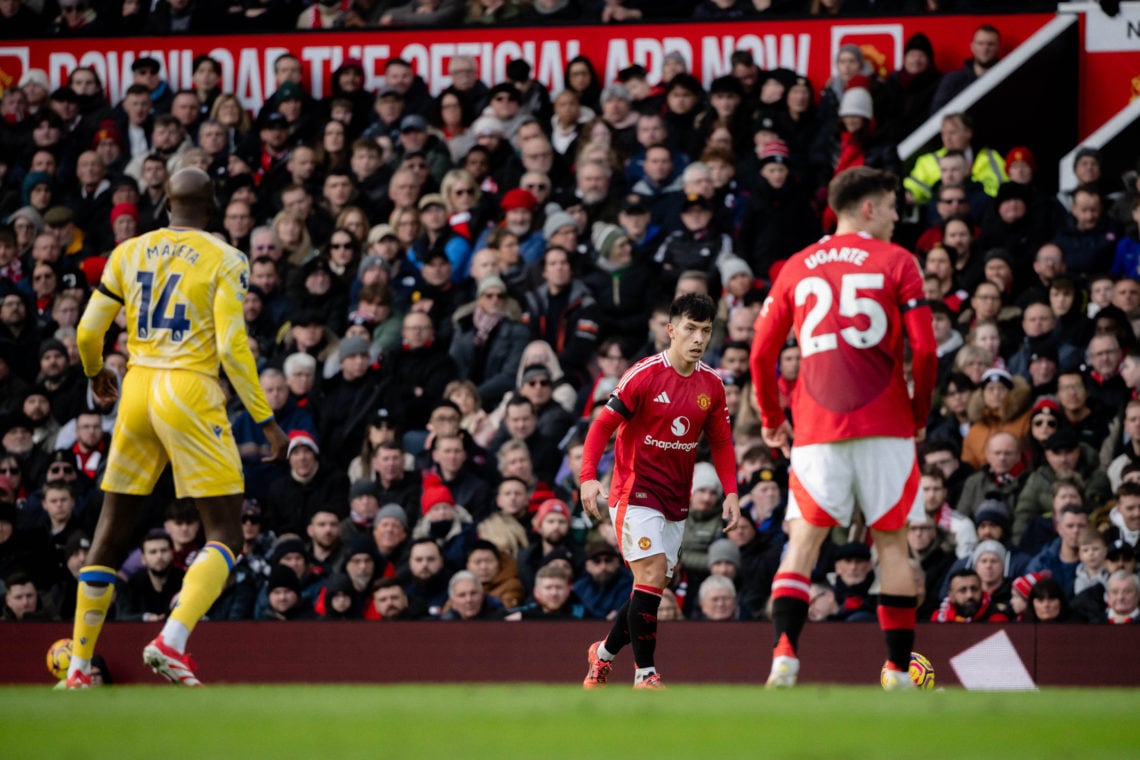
column 1113, row 34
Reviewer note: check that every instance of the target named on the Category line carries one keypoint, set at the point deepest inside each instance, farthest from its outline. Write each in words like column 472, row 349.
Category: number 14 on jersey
column 156, row 318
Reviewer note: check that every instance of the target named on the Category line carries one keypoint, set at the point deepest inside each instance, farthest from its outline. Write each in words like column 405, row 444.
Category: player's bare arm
column 105, row 387
column 593, row 494
column 278, row 441
column 730, row 512
column 779, row 437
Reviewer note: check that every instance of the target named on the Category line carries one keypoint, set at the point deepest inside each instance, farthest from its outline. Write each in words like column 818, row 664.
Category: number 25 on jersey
column 156, row 318
column 851, row 305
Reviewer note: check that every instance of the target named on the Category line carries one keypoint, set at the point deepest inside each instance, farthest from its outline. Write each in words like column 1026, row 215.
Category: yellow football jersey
column 182, row 290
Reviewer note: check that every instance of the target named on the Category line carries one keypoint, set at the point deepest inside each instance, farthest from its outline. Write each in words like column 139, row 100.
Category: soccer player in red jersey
column 659, row 408
column 849, row 298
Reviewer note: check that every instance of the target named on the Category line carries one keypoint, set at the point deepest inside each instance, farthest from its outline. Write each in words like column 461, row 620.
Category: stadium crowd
column 443, row 291
column 95, row 18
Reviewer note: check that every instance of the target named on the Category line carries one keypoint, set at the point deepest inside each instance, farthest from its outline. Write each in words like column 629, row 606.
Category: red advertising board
column 807, row 46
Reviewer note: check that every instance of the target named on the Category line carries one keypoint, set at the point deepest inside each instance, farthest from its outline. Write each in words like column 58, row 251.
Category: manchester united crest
column 703, row 401
column 644, row 543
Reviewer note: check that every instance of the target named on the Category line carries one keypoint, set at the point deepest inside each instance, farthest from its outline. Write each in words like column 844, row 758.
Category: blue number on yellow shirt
column 177, row 323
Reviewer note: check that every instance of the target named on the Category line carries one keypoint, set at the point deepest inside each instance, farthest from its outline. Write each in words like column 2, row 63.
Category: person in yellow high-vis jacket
column 987, row 165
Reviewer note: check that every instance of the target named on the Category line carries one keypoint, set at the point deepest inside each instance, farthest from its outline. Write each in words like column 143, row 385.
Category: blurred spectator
column 466, row 600
column 1047, row 603
column 1000, row 404
column 424, row 13
column 907, row 94
column 149, row 594
column 967, row 603
column 717, row 600
column 389, row 601
column 309, row 484
column 987, row 167
column 426, row 585
column 285, row 600
column 1088, row 237
column 1062, row 555
column 22, row 601
column 985, row 49
column 606, row 584
column 1117, row 603
column 497, row 572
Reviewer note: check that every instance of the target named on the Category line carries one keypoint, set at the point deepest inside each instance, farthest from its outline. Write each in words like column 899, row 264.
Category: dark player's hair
column 851, row 186
column 696, row 306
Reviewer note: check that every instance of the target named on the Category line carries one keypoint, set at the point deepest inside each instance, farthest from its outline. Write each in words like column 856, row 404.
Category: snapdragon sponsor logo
column 679, row 427
column 670, row 445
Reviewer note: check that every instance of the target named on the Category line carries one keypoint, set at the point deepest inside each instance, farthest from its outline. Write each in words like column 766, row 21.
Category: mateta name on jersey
column 845, row 254
column 186, row 252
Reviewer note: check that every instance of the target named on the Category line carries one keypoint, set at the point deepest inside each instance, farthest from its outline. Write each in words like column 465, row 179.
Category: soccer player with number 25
column 182, row 289
column 849, row 298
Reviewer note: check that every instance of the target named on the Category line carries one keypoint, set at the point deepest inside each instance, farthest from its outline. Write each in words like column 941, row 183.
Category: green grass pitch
column 529, row 721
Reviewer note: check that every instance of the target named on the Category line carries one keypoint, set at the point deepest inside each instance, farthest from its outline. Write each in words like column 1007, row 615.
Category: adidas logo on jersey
column 662, row 398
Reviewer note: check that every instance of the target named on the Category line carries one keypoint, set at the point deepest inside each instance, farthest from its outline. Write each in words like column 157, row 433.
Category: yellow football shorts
column 173, row 416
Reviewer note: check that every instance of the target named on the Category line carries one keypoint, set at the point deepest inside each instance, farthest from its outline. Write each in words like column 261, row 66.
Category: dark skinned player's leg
column 109, row 548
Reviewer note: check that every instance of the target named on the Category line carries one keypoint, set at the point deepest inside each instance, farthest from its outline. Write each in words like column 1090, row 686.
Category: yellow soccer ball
column 921, row 671
column 59, row 658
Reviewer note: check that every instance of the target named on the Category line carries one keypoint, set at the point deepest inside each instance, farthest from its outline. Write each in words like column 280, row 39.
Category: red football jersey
column 663, row 415
column 846, row 297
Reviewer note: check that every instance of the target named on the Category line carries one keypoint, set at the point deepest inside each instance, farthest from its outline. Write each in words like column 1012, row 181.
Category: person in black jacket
column 419, row 370
column 904, row 101
column 148, row 593
column 621, row 287
column 351, row 396
column 488, row 345
column 294, row 497
column 779, row 220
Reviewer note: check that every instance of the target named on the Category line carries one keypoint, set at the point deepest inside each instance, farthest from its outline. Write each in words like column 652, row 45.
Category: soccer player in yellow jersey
column 182, row 290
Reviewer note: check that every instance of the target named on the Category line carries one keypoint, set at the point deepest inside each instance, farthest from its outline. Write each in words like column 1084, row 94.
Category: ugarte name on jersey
column 184, row 251
column 846, row 255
